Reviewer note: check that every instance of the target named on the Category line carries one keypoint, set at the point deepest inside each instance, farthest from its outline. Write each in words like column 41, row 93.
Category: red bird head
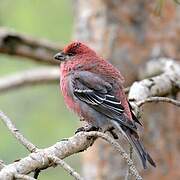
column 74, row 49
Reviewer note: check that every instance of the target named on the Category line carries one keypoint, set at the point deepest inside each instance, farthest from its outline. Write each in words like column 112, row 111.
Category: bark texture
column 128, row 33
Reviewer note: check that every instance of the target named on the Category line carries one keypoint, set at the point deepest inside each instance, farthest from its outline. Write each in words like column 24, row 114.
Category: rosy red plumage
column 93, row 89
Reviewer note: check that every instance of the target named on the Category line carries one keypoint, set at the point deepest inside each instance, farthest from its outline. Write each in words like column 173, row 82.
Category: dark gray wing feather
column 97, row 99
column 98, row 94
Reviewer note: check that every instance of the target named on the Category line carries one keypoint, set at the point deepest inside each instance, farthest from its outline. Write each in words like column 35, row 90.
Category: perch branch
column 15, row 132
column 7, row 121
column 24, row 177
column 40, row 159
column 29, row 77
column 39, row 50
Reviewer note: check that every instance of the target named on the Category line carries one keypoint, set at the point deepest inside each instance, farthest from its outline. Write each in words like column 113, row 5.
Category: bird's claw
column 114, row 135
column 36, row 173
column 87, row 129
column 64, row 139
column 111, row 131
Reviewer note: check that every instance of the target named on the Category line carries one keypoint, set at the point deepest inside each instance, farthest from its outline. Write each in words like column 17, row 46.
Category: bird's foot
column 111, row 131
column 36, row 173
column 64, row 139
column 87, row 128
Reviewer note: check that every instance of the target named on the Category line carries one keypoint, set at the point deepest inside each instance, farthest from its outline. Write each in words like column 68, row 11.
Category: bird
column 93, row 89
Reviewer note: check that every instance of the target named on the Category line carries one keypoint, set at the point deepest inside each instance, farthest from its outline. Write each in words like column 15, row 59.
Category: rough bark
column 128, row 33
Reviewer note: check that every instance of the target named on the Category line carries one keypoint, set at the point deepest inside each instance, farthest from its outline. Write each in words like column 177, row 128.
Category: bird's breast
column 66, row 85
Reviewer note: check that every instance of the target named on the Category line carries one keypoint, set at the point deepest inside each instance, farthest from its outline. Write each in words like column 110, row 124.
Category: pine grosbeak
column 93, row 89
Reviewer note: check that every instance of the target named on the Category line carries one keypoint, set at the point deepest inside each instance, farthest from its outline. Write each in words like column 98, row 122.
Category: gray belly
column 94, row 117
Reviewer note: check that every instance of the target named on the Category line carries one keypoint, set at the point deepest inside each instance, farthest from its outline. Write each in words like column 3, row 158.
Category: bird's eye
column 70, row 54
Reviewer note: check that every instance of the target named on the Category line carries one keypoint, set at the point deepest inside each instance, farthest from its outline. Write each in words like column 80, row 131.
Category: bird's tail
column 136, row 143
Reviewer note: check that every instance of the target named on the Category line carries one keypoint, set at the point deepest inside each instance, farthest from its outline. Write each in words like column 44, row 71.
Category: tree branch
column 69, row 169
column 32, row 148
column 42, row 158
column 29, row 77
column 160, row 85
column 157, row 66
column 21, row 45
column 158, row 99
column 125, row 156
column 15, row 132
column 24, row 177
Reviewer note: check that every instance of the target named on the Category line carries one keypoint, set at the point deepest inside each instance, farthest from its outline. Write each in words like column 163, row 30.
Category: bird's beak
column 61, row 56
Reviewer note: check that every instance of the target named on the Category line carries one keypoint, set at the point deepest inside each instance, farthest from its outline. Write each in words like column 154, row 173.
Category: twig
column 158, row 99
column 116, row 145
column 21, row 45
column 29, row 77
column 69, row 169
column 24, row 177
column 15, row 132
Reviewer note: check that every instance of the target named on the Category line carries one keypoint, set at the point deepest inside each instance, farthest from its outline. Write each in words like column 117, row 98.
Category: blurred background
column 37, row 111
column 126, row 32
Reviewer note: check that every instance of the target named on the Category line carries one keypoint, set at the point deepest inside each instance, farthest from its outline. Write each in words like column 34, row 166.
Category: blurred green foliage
column 38, row 111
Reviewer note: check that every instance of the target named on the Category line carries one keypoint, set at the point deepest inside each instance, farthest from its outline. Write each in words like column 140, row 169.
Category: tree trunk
column 128, row 33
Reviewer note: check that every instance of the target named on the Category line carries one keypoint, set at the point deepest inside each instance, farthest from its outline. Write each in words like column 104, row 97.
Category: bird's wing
column 96, row 92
